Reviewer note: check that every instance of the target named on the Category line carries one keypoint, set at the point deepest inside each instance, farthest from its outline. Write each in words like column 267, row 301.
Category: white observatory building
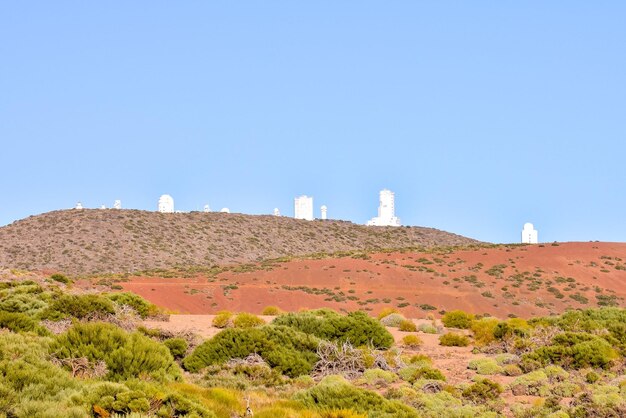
column 303, row 208
column 276, row 212
column 529, row 234
column 166, row 204
column 386, row 211
column 117, row 204
column 324, row 211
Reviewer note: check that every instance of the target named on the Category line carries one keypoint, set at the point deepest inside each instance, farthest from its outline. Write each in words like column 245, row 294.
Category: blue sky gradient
column 480, row 115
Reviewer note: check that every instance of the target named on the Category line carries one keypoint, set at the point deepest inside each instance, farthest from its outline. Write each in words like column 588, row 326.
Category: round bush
column 407, row 326
column 457, row 319
column 247, row 320
column 356, row 327
column 177, row 346
column 79, row 306
column 392, row 320
column 290, row 351
column 223, row 319
column 428, row 329
column 411, row 341
column 139, row 304
column 386, row 312
column 271, row 311
column 126, row 355
column 482, row 391
column 486, row 366
column 454, row 340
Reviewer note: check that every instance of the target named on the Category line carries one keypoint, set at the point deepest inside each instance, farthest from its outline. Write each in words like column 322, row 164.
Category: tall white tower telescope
column 386, row 210
column 166, row 204
column 303, row 208
column 529, row 234
column 324, row 211
column 117, row 204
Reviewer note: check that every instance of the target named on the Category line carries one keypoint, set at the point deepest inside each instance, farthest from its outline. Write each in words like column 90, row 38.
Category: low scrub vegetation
column 73, row 355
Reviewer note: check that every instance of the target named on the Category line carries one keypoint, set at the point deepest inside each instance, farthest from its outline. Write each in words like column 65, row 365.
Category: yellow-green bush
column 356, row 327
column 407, row 326
column 454, row 340
column 139, row 304
column 126, row 355
column 247, row 320
column 271, row 311
column 411, row 340
column 79, row 306
column 457, row 319
column 290, row 351
column 483, row 330
column 386, row 312
column 334, row 392
column 223, row 319
column 486, row 366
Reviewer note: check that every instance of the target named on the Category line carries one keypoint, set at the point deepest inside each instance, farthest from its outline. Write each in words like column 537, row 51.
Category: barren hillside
column 523, row 280
column 116, row 241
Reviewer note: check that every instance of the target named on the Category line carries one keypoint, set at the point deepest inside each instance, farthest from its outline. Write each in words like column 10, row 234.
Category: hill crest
column 94, row 241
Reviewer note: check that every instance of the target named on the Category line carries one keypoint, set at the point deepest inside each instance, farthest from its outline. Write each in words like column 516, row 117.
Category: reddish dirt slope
column 521, row 280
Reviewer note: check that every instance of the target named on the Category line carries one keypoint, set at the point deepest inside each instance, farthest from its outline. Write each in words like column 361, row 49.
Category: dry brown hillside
column 116, row 241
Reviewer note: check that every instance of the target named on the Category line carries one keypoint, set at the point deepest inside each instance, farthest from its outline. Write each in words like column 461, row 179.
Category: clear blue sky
column 480, row 115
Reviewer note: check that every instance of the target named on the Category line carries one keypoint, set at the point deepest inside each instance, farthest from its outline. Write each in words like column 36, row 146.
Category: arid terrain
column 511, row 280
column 93, row 241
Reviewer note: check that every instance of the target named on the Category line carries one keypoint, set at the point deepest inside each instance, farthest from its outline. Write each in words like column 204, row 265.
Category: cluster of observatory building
column 303, row 209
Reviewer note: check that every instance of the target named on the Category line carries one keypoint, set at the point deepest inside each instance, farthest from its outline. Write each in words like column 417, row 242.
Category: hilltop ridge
column 93, row 241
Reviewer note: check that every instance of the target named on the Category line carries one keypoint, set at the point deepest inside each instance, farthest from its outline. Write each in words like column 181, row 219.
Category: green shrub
column 223, row 319
column 413, row 373
column 485, row 366
column 512, row 327
column 79, row 306
column 530, row 384
column 242, row 376
column 482, row 391
column 15, row 300
column 19, row 322
column 334, row 392
column 420, row 360
column 283, row 348
column 271, row 311
column 356, row 327
column 407, row 326
column 457, row 319
column 386, row 312
column 454, row 340
column 411, row 341
column 575, row 350
column 58, row 277
column 373, row 376
column 177, row 346
column 247, row 320
column 139, row 304
column 483, row 330
column 126, row 355
column 428, row 329
column 592, row 377
column 393, row 320
column 512, row 370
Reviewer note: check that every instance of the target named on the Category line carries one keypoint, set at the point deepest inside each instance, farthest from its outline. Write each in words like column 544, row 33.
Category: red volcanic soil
column 520, row 280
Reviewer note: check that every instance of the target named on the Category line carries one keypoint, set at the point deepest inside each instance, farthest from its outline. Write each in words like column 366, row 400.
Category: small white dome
column 225, row 210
